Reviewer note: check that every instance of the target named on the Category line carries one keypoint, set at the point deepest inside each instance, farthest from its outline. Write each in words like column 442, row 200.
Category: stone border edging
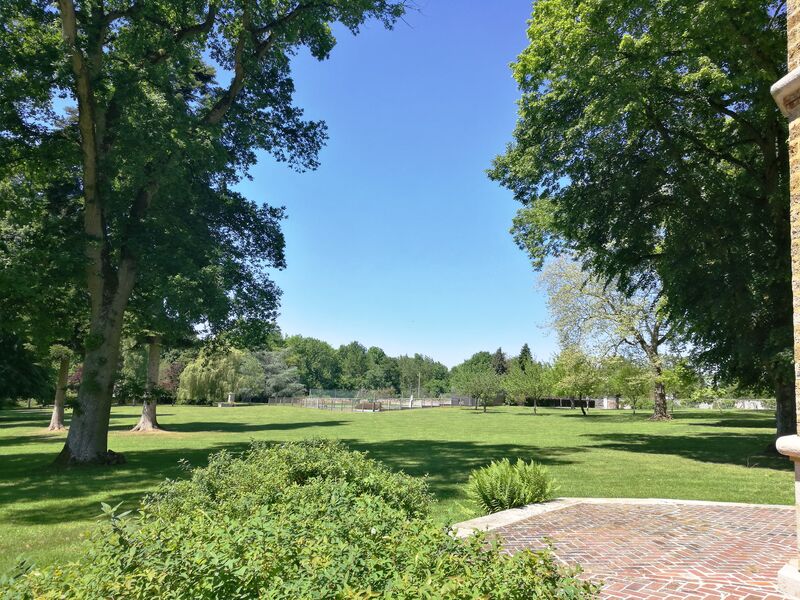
column 512, row 515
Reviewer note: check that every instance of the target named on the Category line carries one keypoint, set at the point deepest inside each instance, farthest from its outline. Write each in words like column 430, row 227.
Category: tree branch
column 188, row 32
column 223, row 105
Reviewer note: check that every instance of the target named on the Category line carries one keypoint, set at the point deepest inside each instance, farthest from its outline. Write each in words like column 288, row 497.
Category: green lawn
column 45, row 514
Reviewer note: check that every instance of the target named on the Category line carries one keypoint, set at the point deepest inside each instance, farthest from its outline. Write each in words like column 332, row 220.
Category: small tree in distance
column 576, row 376
column 280, row 380
column 484, row 385
column 524, row 357
column 63, row 356
column 628, row 379
column 527, row 381
column 499, row 362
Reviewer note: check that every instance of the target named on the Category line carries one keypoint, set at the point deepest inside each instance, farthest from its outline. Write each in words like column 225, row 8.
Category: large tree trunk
column 149, row 421
column 57, row 419
column 87, row 440
column 660, row 412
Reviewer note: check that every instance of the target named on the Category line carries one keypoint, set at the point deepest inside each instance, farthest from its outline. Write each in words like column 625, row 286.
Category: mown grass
column 46, row 514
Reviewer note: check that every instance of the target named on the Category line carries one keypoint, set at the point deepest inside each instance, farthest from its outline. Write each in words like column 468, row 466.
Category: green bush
column 504, row 485
column 297, row 520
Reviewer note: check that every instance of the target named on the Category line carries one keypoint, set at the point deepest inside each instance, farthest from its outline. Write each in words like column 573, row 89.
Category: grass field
column 45, row 514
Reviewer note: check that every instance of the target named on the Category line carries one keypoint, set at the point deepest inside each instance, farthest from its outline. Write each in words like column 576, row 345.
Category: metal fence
column 368, row 405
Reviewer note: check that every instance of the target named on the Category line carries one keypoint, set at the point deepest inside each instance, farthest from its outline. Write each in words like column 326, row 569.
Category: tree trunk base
column 666, row 417
column 108, row 458
column 148, row 421
column 56, row 427
column 142, row 427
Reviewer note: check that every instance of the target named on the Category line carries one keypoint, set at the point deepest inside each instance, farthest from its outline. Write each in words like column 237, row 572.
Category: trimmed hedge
column 294, row 521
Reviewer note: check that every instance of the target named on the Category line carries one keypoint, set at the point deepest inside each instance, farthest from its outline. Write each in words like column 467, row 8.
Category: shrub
column 504, row 485
column 297, row 520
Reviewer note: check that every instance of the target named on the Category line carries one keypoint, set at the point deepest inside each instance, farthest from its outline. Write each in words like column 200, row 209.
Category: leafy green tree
column 281, row 380
column 423, row 373
column 681, row 378
column 383, row 372
column 597, row 317
column 316, row 362
column 353, row 366
column 525, row 356
column 213, row 375
column 22, row 374
column 40, row 302
column 479, row 360
column 499, row 363
column 648, row 142
column 628, row 379
column 484, row 385
column 528, row 381
column 156, row 133
column 575, row 375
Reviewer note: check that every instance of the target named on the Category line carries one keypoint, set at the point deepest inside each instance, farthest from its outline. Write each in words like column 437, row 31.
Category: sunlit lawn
column 45, row 514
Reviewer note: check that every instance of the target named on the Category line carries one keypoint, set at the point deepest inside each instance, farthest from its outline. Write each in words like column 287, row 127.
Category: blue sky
column 399, row 239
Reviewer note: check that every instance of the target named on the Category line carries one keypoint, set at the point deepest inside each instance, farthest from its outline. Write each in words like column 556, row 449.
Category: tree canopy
column 599, row 319
column 159, row 108
column 648, row 142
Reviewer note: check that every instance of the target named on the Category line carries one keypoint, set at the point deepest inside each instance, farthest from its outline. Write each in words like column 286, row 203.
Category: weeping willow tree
column 212, row 376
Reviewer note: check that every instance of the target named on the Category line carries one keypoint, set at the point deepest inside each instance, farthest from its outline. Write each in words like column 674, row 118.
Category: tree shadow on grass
column 236, row 427
column 44, row 437
column 449, row 463
column 743, row 449
column 31, row 477
column 23, row 417
column 756, row 420
column 594, row 414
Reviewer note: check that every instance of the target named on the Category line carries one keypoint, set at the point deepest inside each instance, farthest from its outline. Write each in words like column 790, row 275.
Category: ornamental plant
column 503, row 485
column 293, row 521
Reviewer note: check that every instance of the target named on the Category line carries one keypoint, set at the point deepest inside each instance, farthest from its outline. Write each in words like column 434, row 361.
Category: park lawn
column 46, row 514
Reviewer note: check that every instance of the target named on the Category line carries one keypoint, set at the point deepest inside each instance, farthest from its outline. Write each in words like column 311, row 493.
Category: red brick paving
column 667, row 551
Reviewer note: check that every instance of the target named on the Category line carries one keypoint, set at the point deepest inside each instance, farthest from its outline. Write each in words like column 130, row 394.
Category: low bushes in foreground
column 296, row 520
column 503, row 484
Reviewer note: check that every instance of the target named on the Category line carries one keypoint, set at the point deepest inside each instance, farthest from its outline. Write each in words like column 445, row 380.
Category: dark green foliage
column 648, row 142
column 280, row 380
column 353, row 366
column 297, row 520
column 154, row 111
column 477, row 362
column 21, row 373
column 525, row 357
column 504, row 485
column 423, row 373
column 499, row 362
column 316, row 362
column 383, row 372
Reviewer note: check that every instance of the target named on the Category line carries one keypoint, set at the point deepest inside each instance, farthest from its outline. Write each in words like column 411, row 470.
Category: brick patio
column 666, row 549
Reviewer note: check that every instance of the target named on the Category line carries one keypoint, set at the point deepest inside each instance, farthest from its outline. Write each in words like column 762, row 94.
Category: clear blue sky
column 399, row 239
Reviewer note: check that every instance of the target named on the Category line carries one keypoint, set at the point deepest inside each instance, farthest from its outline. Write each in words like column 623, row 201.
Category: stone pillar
column 787, row 95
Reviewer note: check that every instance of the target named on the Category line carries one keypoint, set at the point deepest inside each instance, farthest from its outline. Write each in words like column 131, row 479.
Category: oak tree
column 171, row 100
column 648, row 142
